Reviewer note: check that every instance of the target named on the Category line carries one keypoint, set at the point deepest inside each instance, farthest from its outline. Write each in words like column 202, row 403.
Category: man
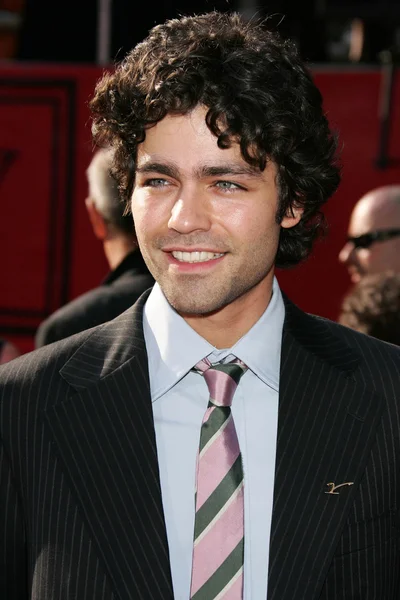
column 129, row 276
column 130, row 471
column 373, row 307
column 373, row 243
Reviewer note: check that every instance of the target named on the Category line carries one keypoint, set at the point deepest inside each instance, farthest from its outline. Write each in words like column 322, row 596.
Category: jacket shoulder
column 379, row 361
column 93, row 308
column 357, row 339
column 105, row 345
column 357, row 354
column 41, row 364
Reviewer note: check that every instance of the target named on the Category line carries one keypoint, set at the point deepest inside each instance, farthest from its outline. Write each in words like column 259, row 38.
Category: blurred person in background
column 129, row 276
column 373, row 242
column 8, row 351
column 373, row 307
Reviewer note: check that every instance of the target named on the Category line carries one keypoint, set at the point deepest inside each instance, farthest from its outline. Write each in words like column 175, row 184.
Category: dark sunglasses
column 367, row 239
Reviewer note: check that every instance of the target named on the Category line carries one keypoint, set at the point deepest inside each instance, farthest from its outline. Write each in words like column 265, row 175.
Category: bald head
column 377, row 210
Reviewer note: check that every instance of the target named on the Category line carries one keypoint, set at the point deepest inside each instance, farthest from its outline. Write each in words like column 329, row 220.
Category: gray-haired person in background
column 129, row 276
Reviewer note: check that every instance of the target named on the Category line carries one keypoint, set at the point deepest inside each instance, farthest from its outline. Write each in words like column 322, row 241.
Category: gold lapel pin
column 336, row 487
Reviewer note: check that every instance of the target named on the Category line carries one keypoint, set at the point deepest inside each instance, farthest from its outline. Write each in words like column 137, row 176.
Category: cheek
column 141, row 221
column 375, row 258
column 380, row 257
column 265, row 231
column 251, row 224
column 146, row 215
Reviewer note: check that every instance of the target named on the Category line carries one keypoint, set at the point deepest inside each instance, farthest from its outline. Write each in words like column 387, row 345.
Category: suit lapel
column 105, row 437
column 327, row 423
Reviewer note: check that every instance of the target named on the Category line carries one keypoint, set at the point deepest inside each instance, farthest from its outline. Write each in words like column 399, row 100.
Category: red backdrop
column 49, row 254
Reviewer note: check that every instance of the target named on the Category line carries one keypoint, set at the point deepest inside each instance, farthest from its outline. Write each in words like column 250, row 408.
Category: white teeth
column 192, row 257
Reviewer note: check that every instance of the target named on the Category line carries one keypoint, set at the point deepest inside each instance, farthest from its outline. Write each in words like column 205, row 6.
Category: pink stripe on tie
column 218, row 543
column 235, row 591
column 221, row 386
column 216, row 461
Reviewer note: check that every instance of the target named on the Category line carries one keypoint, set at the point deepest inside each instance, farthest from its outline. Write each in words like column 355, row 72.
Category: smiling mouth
column 195, row 257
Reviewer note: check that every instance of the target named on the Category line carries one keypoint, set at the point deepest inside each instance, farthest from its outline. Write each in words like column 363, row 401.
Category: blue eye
column 155, row 182
column 228, row 185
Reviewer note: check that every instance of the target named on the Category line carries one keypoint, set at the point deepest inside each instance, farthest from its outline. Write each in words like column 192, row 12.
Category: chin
column 193, row 309
column 192, row 304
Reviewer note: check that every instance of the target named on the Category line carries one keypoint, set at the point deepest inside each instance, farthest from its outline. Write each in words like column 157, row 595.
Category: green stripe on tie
column 215, row 421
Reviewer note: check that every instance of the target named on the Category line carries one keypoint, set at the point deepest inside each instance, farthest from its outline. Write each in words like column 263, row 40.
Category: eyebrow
column 229, row 169
column 157, row 167
column 204, row 171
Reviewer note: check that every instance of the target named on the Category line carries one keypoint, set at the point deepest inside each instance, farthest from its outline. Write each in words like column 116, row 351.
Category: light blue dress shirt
column 180, row 399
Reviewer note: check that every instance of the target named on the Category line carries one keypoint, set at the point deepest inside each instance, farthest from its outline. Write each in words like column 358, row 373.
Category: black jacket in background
column 119, row 290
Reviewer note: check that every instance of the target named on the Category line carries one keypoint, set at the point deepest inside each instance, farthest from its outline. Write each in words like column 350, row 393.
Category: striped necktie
column 217, row 571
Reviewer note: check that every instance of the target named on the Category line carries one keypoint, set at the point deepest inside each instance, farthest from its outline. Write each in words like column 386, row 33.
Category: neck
column 116, row 249
column 226, row 326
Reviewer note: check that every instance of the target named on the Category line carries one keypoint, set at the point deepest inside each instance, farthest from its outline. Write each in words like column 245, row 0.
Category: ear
column 292, row 217
column 97, row 220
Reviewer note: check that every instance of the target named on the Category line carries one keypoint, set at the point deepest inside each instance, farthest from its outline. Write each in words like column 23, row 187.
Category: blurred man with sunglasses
column 373, row 242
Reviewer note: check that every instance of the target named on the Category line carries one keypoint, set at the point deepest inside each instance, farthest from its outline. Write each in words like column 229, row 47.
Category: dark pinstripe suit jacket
column 81, row 511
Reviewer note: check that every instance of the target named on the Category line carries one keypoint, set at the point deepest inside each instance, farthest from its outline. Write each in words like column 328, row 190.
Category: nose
column 189, row 213
column 345, row 255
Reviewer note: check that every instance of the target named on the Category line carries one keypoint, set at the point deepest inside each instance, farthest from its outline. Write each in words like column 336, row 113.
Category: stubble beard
column 196, row 296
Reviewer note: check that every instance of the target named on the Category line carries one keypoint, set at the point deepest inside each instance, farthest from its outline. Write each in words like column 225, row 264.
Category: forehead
column 372, row 213
column 184, row 138
column 185, row 145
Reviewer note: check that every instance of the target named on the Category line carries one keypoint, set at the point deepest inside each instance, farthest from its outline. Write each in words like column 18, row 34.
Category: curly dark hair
column 257, row 91
column 373, row 307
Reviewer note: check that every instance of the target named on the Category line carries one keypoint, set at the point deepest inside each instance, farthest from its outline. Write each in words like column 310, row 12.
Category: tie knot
column 222, row 379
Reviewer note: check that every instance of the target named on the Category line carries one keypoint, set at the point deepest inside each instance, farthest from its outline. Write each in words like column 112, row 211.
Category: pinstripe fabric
column 80, row 474
column 336, row 400
column 80, row 504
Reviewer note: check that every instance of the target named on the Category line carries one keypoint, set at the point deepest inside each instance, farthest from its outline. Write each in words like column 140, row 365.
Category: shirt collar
column 173, row 347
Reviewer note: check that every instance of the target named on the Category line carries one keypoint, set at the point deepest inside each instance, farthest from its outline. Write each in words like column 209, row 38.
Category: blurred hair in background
column 373, row 307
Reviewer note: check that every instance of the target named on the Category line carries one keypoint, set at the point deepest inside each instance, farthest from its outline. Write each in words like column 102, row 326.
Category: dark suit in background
column 82, row 513
column 119, row 290
column 129, row 276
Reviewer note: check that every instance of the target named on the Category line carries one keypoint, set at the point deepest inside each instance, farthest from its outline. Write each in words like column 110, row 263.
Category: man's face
column 369, row 215
column 204, row 218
